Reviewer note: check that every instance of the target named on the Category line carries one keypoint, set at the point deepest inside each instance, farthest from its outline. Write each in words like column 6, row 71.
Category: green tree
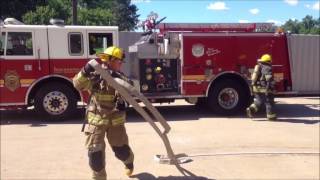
column 125, row 14
column 96, row 16
column 41, row 15
column 109, row 12
column 60, row 9
column 90, row 12
column 17, row 8
column 292, row 26
column 92, row 4
column 308, row 25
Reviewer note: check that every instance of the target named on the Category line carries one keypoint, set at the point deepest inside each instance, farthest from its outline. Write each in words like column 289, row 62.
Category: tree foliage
column 125, row 14
column 308, row 25
column 108, row 12
column 60, row 9
column 90, row 12
column 97, row 16
column 17, row 8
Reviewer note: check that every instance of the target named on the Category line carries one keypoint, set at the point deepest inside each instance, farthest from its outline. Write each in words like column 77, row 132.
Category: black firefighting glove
column 121, row 105
column 87, row 70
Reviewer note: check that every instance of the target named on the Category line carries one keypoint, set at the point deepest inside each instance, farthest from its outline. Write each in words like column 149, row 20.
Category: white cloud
column 276, row 22
column 315, row 6
column 243, row 21
column 219, row 5
column 254, row 11
column 291, row 2
column 140, row 1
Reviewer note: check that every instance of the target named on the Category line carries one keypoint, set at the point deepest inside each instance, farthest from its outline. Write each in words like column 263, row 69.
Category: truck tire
column 201, row 103
column 55, row 101
column 227, row 97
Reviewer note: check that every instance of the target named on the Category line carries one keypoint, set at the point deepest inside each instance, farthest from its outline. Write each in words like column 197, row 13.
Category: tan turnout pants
column 118, row 140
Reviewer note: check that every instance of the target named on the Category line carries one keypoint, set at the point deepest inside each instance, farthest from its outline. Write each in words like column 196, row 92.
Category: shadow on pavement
column 290, row 113
column 148, row 176
column 303, row 121
column 171, row 113
column 175, row 113
column 32, row 118
column 293, row 113
column 297, row 110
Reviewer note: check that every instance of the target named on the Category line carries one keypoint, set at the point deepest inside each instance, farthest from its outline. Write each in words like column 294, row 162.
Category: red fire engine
column 202, row 63
column 37, row 63
column 207, row 63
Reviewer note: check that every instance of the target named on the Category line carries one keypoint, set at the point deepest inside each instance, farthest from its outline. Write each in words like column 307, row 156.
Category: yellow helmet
column 111, row 51
column 266, row 58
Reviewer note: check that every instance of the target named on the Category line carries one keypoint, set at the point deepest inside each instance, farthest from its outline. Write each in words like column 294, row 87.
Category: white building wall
column 305, row 63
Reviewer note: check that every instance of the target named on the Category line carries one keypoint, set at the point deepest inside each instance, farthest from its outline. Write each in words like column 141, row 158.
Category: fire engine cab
column 206, row 64
column 37, row 63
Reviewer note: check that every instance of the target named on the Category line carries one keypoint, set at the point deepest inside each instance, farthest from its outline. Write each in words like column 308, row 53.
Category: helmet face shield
column 104, row 57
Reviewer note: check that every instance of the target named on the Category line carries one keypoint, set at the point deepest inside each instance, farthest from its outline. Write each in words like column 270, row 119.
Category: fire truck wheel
column 55, row 101
column 227, row 97
column 201, row 103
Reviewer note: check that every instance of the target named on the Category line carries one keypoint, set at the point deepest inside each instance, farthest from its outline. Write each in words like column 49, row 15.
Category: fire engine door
column 21, row 63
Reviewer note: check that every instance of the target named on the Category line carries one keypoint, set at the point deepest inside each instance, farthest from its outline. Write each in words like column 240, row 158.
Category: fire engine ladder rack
column 128, row 92
column 213, row 27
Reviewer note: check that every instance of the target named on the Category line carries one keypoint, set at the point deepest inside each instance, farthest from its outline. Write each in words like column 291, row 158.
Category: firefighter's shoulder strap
column 256, row 74
column 266, row 71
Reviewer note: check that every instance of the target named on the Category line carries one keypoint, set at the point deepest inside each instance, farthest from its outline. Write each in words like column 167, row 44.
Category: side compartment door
column 66, row 50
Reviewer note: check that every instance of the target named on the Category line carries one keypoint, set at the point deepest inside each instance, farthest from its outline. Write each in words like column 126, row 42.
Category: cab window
column 99, row 41
column 75, row 44
column 19, row 44
column 2, row 39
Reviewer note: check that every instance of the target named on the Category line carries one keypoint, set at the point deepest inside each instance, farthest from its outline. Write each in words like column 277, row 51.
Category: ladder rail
column 124, row 92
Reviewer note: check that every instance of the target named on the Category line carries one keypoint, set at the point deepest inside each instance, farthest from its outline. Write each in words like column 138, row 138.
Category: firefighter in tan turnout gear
column 105, row 115
column 262, row 86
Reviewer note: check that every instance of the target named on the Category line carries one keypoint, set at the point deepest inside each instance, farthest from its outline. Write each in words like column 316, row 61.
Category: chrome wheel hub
column 228, row 98
column 55, row 103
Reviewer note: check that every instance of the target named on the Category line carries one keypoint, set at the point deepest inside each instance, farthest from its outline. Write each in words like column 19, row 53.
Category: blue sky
column 210, row 11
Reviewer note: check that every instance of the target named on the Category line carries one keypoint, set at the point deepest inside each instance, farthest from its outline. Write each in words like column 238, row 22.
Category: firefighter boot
column 129, row 169
column 272, row 117
column 249, row 112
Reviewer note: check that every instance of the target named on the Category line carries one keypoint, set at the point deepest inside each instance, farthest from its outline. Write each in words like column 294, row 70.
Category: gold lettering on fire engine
column 12, row 80
column 66, row 70
column 212, row 51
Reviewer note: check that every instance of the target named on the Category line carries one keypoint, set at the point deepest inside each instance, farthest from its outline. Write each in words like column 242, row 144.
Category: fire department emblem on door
column 11, row 80
column 197, row 50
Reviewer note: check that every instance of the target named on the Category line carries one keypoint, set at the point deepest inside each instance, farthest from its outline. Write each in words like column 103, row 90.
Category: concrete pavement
column 219, row 147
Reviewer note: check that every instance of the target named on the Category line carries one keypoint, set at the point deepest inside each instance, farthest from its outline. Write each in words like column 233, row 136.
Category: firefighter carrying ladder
column 128, row 92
